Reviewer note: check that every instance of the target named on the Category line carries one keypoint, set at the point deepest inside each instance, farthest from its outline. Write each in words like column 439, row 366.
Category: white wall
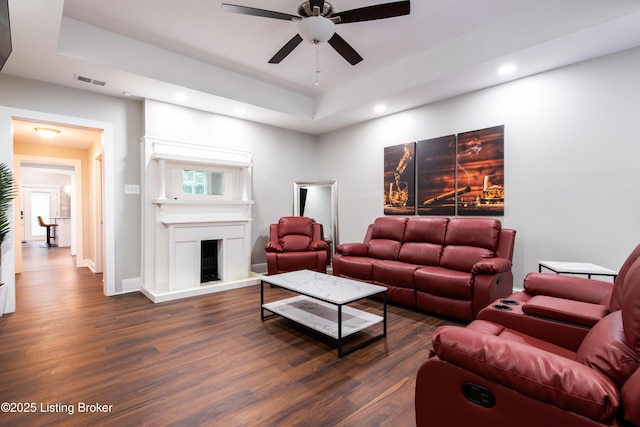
column 280, row 157
column 571, row 159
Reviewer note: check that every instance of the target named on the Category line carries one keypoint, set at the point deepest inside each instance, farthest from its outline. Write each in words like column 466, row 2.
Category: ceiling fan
column 316, row 22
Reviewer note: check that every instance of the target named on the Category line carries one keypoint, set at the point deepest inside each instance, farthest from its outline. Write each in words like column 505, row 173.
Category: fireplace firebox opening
column 209, row 261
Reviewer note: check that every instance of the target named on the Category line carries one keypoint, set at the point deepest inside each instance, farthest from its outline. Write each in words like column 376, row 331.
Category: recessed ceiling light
column 47, row 132
column 240, row 111
column 181, row 97
column 380, row 108
column 507, row 69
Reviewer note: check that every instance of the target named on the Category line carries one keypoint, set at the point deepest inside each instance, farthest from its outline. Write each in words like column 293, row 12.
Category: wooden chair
column 48, row 227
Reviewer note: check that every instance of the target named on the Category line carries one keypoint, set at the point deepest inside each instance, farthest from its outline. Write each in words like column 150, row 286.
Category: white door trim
column 76, row 215
column 6, row 156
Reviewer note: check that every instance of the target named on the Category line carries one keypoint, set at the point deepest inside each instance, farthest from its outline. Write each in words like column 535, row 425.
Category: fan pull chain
column 317, row 61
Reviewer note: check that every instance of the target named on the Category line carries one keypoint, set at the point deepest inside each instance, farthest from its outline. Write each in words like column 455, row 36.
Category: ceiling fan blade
column 286, row 49
column 245, row 10
column 345, row 49
column 378, row 11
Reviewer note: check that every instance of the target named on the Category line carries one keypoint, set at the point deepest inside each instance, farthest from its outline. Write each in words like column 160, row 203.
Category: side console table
column 560, row 267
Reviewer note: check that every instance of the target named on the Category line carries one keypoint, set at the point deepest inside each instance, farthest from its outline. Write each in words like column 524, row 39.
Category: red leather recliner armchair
column 490, row 375
column 296, row 243
column 561, row 308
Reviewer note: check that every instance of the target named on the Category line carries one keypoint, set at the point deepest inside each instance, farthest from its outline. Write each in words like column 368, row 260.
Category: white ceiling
column 158, row 48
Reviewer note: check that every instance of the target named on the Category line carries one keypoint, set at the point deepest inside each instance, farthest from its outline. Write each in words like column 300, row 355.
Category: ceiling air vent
column 89, row 80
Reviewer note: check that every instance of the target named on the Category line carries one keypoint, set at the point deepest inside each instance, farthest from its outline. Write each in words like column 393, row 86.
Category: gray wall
column 126, row 119
column 571, row 159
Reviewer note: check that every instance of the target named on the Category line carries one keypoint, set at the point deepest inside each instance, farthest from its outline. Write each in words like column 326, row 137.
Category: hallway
column 50, row 278
column 35, row 257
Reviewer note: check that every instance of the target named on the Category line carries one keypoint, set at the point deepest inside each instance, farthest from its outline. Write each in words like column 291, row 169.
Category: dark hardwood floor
column 204, row 361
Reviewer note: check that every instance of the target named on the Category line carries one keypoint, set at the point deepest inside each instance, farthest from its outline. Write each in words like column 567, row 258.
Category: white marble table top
column 577, row 268
column 322, row 316
column 333, row 289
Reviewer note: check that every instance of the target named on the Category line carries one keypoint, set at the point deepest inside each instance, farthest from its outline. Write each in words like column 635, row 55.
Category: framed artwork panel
column 399, row 179
column 436, row 159
column 480, row 169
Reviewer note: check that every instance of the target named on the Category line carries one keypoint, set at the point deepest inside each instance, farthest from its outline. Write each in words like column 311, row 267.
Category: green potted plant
column 7, row 194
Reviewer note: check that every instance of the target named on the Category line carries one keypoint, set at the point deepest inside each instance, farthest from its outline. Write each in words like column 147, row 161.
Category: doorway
column 32, row 172
column 13, row 250
column 72, row 163
column 38, row 202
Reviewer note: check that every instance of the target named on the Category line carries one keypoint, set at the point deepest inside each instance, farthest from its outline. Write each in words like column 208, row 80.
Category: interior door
column 39, row 201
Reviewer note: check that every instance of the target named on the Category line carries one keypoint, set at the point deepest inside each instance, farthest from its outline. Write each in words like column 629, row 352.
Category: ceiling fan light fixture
column 316, row 29
column 316, row 23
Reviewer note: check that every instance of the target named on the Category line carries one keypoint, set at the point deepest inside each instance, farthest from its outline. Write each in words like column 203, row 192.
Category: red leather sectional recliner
column 560, row 309
column 447, row 266
column 491, row 375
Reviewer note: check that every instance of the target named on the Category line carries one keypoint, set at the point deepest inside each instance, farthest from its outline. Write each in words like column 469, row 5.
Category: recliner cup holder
column 509, row 302
column 502, row 307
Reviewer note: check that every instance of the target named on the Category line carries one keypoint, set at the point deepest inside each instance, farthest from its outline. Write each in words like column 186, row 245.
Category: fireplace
column 209, row 261
column 196, row 239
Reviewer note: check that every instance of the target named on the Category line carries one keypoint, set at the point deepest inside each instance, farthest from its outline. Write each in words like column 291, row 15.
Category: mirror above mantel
column 318, row 200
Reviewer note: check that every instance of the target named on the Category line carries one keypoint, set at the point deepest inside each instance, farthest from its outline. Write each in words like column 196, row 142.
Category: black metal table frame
column 577, row 273
column 339, row 340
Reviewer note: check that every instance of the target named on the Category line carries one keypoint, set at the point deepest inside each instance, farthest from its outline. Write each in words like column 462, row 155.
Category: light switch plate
column 131, row 189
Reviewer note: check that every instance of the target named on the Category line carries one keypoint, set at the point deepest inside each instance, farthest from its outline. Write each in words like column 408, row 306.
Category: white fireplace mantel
column 176, row 224
column 166, row 201
column 188, row 222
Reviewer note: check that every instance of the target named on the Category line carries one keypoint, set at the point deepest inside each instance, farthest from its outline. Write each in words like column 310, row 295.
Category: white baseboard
column 259, row 268
column 90, row 265
column 262, row 268
column 131, row 285
column 163, row 296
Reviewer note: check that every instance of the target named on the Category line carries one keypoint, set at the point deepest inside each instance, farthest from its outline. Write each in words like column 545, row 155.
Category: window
column 202, row 182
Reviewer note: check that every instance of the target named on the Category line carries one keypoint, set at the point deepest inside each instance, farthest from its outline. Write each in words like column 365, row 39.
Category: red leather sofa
column 296, row 243
column 490, row 375
column 560, row 309
column 450, row 267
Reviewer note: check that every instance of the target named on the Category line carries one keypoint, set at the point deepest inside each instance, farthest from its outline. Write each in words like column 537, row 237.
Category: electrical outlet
column 131, row 189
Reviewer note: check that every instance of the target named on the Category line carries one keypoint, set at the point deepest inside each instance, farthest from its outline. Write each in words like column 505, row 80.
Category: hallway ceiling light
column 47, row 132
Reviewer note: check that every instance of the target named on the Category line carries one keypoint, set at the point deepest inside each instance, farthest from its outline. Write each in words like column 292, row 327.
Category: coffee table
column 321, row 305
